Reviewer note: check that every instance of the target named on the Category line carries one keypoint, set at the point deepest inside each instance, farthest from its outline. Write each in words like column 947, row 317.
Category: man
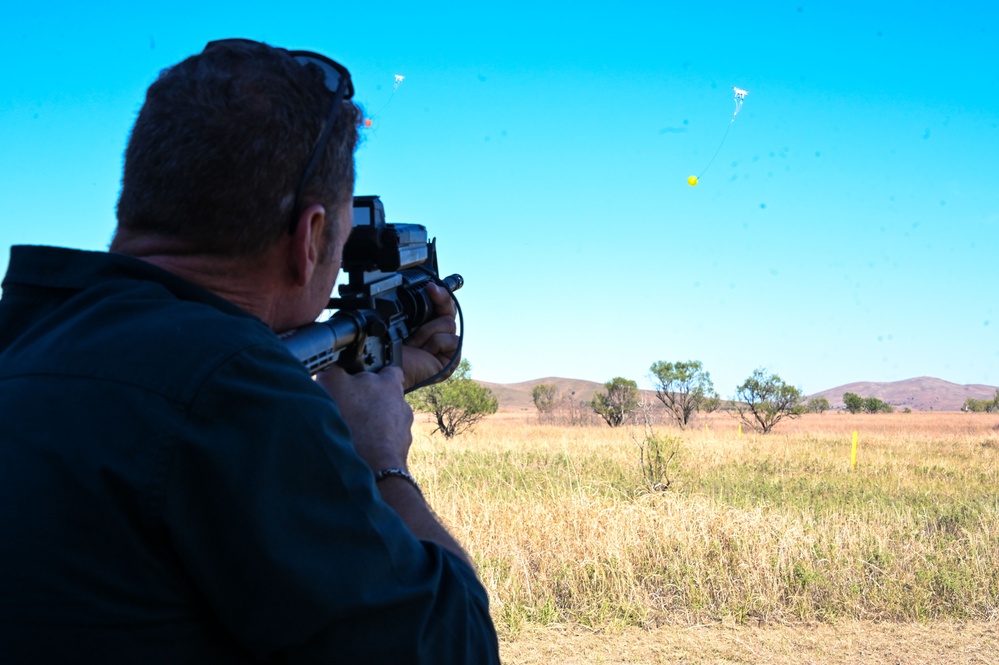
column 174, row 487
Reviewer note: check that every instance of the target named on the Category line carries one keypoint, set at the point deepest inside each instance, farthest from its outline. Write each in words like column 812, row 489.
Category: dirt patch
column 856, row 643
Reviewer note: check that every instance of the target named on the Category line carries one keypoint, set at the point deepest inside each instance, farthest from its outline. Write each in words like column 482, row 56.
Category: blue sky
column 846, row 231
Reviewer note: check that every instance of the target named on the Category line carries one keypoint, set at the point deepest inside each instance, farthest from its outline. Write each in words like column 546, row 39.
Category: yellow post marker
column 853, row 452
column 740, row 430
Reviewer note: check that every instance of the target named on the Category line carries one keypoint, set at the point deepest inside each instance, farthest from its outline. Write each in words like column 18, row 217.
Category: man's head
column 221, row 145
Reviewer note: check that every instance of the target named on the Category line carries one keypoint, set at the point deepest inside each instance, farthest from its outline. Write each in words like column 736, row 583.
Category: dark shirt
column 175, row 488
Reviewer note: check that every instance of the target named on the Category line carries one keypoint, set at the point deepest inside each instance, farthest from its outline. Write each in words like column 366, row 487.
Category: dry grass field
column 761, row 549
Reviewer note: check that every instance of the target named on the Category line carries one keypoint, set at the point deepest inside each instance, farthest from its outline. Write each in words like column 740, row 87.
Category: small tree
column 683, row 388
column 764, row 400
column 875, row 405
column 458, row 403
column 619, row 400
column 556, row 407
column 545, row 396
column 854, row 403
column 817, row 405
column 711, row 404
column 982, row 405
column 656, row 455
column 857, row 404
column 547, row 399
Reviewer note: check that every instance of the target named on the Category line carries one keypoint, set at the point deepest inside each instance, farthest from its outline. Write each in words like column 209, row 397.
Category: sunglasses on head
column 337, row 80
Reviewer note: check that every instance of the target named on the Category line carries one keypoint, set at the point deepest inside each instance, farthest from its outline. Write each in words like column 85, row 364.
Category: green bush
column 619, row 400
column 457, row 403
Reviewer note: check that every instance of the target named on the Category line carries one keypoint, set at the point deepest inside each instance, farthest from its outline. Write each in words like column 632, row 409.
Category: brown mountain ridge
column 923, row 393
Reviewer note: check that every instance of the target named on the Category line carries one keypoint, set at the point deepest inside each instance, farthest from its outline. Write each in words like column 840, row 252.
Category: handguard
column 383, row 301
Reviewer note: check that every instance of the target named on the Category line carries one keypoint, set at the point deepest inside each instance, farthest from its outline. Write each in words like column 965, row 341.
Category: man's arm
column 276, row 520
column 380, row 421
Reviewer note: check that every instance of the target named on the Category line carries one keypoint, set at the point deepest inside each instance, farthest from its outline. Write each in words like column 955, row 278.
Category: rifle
column 383, row 301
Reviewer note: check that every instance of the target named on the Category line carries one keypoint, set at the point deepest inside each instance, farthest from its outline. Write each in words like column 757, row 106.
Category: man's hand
column 431, row 346
column 379, row 418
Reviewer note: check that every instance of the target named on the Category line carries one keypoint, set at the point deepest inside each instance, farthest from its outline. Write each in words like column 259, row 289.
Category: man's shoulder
column 114, row 318
column 172, row 344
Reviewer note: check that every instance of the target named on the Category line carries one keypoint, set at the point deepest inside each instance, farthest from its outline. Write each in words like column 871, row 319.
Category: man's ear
column 307, row 244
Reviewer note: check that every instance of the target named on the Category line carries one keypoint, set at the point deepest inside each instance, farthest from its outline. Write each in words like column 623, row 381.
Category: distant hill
column 924, row 393
column 920, row 394
column 518, row 396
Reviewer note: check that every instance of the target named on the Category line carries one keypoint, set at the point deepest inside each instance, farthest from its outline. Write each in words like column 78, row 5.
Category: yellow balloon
column 692, row 180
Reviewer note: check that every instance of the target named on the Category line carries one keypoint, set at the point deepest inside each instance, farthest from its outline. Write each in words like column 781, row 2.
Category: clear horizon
column 844, row 232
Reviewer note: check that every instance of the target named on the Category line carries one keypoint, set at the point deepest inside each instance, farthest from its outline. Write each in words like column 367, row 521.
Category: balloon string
column 384, row 106
column 718, row 150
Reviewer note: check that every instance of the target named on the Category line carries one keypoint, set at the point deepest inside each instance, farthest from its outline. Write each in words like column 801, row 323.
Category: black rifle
column 383, row 301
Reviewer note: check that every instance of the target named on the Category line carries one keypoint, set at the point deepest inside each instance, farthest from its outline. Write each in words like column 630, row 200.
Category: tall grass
column 566, row 528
